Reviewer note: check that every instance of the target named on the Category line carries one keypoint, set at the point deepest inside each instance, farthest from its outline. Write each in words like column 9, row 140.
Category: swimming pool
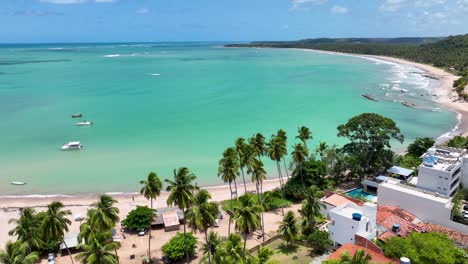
column 360, row 192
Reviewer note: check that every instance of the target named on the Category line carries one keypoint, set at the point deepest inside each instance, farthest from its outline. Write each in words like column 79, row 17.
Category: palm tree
column 245, row 153
column 16, row 253
column 321, row 149
column 98, row 251
column 299, row 156
column 276, row 150
column 304, row 134
column 282, row 135
column 258, row 144
column 230, row 251
column 264, row 254
column 202, row 214
column 311, row 206
column 288, row 228
column 258, row 175
column 359, row 257
column 150, row 190
column 247, row 216
column 181, row 194
column 103, row 214
column 213, row 241
column 228, row 170
column 27, row 229
column 55, row 224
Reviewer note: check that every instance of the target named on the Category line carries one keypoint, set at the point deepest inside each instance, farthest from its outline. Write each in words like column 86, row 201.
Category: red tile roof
column 387, row 216
column 351, row 249
column 457, row 237
column 385, row 235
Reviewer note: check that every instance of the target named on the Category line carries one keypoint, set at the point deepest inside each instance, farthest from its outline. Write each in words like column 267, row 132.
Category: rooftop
column 387, row 216
column 400, row 171
column 336, row 200
column 351, row 249
column 417, row 192
column 457, row 237
column 442, row 158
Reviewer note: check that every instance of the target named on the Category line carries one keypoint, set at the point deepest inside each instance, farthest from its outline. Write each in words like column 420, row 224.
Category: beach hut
column 171, row 221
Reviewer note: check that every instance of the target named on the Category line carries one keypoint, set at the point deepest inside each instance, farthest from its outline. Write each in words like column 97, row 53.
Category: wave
column 155, row 74
column 112, row 55
column 56, row 48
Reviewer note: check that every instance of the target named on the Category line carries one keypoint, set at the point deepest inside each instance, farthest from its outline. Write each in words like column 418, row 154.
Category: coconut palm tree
column 27, row 229
column 98, row 250
column 247, row 215
column 181, row 194
column 55, row 224
column 282, row 135
column 16, row 253
column 103, row 214
column 258, row 144
column 304, row 134
column 245, row 153
column 276, row 150
column 258, row 175
column 359, row 257
column 202, row 213
column 228, row 170
column 209, row 249
column 264, row 254
column 150, row 190
column 321, row 149
column 230, row 251
column 311, row 206
column 299, row 155
column 288, row 228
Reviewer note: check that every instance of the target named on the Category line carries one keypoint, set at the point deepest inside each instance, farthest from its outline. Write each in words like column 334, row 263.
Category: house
column 394, row 221
column 350, row 219
column 350, row 249
column 395, row 173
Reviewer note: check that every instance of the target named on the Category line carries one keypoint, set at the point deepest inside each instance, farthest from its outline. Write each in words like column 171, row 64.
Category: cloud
column 462, row 4
column 67, row 2
column 142, row 11
column 392, row 5
column 34, row 12
column 299, row 4
column 337, row 9
column 428, row 3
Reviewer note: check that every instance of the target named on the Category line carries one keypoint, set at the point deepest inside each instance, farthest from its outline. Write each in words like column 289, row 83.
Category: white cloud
column 337, row 9
column 462, row 4
column 142, row 10
column 428, row 3
column 392, row 5
column 298, row 4
column 67, row 2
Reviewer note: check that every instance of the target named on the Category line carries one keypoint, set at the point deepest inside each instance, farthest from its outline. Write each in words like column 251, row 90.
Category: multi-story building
column 441, row 170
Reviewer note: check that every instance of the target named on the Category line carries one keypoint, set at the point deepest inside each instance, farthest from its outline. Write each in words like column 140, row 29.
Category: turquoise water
column 360, row 192
column 160, row 106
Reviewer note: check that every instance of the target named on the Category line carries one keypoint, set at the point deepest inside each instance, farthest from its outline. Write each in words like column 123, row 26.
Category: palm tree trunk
column 259, row 194
column 243, row 179
column 281, row 186
column 285, row 168
column 117, row 255
column 235, row 185
column 245, row 243
column 209, row 246
column 149, row 238
column 68, row 250
column 229, row 227
column 185, row 238
column 302, row 176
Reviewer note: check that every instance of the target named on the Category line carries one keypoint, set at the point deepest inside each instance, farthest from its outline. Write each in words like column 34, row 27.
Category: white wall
column 343, row 229
column 429, row 210
column 434, row 180
column 464, row 177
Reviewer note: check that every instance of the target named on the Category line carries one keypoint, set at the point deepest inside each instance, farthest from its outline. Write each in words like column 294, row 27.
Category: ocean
column 160, row 106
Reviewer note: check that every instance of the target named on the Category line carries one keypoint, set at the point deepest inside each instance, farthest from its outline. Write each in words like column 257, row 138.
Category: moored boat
column 84, row 123
column 408, row 104
column 17, row 183
column 73, row 145
column 77, row 115
column 370, row 97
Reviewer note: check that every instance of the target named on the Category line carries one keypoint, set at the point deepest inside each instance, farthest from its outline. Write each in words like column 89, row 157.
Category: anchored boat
column 74, row 145
column 370, row 97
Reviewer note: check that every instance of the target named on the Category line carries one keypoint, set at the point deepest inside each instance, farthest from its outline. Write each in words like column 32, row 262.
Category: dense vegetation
column 458, row 142
column 139, row 218
column 411, row 159
column 176, row 247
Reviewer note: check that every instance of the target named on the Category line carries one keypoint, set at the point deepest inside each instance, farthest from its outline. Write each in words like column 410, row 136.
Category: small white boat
column 17, row 183
column 84, row 123
column 74, row 145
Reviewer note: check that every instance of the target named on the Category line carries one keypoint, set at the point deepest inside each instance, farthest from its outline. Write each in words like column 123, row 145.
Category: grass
column 295, row 254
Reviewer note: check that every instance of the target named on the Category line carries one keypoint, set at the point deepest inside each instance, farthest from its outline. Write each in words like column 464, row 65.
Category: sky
column 52, row 21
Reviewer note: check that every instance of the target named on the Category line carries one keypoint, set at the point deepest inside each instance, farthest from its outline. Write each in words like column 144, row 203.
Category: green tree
column 17, row 253
column 27, row 229
column 408, row 161
column 103, row 214
column 247, row 216
column 359, row 257
column 230, row 251
column 202, row 213
column 228, row 170
column 288, row 228
column 55, row 224
column 369, row 135
column 181, row 194
column 258, row 144
column 458, row 142
column 313, row 172
column 98, row 250
column 246, row 154
column 281, row 134
column 150, row 190
column 319, row 240
column 422, row 248
column 321, row 149
column 304, row 134
column 180, row 245
column 299, row 156
column 419, row 146
column 264, row 254
column 209, row 248
column 276, row 151
column 310, row 208
column 258, row 175
column 139, row 218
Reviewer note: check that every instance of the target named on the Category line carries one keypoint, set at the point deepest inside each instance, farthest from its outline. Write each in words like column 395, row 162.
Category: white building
column 349, row 219
column 441, row 170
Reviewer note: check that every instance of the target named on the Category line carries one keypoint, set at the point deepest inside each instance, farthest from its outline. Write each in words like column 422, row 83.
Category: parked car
column 51, row 258
column 216, row 222
column 465, row 207
column 142, row 232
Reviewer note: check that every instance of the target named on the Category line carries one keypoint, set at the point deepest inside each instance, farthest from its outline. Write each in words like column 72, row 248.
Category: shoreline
column 443, row 91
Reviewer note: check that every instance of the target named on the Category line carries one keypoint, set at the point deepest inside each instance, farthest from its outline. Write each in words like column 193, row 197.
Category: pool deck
column 370, row 197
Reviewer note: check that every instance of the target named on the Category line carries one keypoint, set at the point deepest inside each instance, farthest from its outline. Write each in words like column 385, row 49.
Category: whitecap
column 56, row 48
column 112, row 55
column 155, row 74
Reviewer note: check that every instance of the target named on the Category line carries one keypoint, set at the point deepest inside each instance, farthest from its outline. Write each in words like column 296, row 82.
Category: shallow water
column 160, row 106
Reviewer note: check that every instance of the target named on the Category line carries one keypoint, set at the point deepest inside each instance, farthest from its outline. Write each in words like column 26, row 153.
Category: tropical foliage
column 139, row 218
column 17, row 253
column 319, row 240
column 178, row 245
column 288, row 228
